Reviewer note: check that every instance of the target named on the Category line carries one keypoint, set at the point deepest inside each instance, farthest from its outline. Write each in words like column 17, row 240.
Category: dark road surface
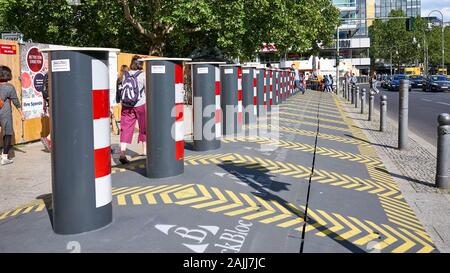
column 424, row 108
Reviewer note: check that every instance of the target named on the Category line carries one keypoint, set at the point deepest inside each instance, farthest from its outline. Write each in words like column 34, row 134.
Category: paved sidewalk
column 30, row 175
column 319, row 187
column 414, row 170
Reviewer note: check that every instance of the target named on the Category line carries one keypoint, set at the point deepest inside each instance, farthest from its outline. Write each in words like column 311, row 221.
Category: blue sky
column 442, row 5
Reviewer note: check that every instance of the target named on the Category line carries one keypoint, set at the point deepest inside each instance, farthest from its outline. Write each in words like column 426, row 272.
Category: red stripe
column 217, row 88
column 179, row 150
column 102, row 162
column 179, row 111
column 239, row 117
column 178, row 73
column 239, row 95
column 271, row 102
column 218, row 115
column 100, row 103
column 255, row 100
column 239, row 72
column 254, row 82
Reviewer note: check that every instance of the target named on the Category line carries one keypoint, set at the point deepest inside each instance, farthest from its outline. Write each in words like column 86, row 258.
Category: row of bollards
column 352, row 94
column 226, row 97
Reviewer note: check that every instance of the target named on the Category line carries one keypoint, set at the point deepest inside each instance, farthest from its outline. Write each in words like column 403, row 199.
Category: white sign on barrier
column 62, row 65
column 158, row 69
column 202, row 70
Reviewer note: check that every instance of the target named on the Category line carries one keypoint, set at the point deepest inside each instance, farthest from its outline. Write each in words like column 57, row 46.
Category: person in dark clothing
column 7, row 95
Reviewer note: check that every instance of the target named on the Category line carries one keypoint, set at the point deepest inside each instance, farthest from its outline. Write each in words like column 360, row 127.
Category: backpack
column 130, row 89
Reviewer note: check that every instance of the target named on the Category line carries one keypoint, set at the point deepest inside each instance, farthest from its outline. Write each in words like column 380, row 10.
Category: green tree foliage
column 391, row 36
column 237, row 28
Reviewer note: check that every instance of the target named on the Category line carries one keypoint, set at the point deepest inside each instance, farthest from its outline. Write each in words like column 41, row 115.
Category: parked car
column 437, row 83
column 394, row 84
column 416, row 81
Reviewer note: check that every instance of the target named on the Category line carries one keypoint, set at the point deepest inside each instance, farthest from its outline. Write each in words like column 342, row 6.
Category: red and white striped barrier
column 255, row 93
column 179, row 112
column 265, row 89
column 102, row 135
column 271, row 87
column 218, row 124
column 240, row 115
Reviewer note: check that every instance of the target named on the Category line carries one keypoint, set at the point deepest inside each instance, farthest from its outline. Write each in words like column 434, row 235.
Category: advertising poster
column 34, row 70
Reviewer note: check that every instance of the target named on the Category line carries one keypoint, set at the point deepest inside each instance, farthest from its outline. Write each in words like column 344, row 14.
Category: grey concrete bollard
column 403, row 115
column 207, row 128
column 371, row 104
column 261, row 90
column 443, row 152
column 269, row 89
column 165, row 122
column 363, row 101
column 350, row 92
column 357, row 93
column 229, row 99
column 248, row 94
column 353, row 94
column 383, row 113
column 81, row 152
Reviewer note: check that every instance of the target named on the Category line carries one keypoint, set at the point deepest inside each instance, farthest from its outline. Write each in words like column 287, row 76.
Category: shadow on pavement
column 407, row 178
column 375, row 144
column 263, row 183
column 47, row 199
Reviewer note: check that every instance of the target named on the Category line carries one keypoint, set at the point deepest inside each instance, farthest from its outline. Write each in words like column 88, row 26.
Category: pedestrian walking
column 7, row 95
column 296, row 78
column 331, row 80
column 133, row 100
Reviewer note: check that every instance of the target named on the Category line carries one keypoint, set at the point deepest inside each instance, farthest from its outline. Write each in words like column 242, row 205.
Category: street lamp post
column 443, row 29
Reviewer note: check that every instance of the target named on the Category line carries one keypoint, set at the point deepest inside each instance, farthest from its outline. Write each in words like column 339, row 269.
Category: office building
column 411, row 8
column 354, row 41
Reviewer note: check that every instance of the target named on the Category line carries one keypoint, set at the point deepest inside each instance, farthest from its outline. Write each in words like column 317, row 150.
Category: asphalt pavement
column 424, row 109
column 314, row 184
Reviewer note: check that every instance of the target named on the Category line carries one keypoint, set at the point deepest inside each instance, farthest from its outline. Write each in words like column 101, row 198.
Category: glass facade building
column 411, row 8
column 354, row 41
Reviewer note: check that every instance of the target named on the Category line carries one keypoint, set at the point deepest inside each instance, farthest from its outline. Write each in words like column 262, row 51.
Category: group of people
column 131, row 95
column 328, row 82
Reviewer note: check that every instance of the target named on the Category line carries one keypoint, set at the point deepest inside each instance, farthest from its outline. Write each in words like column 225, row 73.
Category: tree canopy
column 391, row 36
column 237, row 28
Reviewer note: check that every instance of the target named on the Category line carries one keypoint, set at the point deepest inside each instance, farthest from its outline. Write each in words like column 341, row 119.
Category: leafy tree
column 391, row 36
column 236, row 28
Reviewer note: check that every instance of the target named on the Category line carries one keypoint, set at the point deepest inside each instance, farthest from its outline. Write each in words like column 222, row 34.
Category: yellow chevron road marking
column 269, row 211
column 301, row 111
column 393, row 204
column 313, row 118
column 308, row 123
column 298, row 171
column 341, row 227
column 307, row 133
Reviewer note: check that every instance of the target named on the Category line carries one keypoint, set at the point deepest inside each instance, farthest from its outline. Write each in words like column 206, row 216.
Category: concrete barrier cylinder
column 260, row 88
column 165, row 124
column 443, row 152
column 231, row 99
column 81, row 153
column 248, row 94
column 207, row 128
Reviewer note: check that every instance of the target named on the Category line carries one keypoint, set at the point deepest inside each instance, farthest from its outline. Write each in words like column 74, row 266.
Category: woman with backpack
column 133, row 99
column 7, row 95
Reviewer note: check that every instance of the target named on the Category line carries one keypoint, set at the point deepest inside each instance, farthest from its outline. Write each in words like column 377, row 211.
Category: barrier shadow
column 262, row 191
column 375, row 144
column 48, row 202
column 416, row 181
